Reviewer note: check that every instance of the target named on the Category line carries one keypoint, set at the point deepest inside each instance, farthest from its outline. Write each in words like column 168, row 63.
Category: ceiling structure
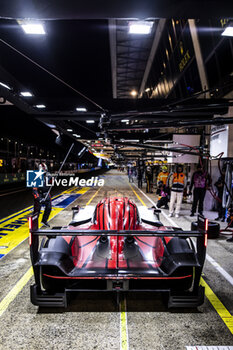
column 103, row 9
column 95, row 64
column 129, row 57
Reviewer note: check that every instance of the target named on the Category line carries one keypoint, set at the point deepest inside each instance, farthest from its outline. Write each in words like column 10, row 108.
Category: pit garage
column 116, row 164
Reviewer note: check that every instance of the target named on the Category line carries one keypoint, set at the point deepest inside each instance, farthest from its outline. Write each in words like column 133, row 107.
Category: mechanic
column 220, row 185
column 163, row 175
column 140, row 176
column 39, row 194
column 149, row 179
column 163, row 192
column 177, row 183
column 200, row 182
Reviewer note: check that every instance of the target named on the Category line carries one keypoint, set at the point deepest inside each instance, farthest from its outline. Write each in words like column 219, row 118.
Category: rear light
column 30, row 239
column 206, row 239
column 30, row 223
column 206, row 230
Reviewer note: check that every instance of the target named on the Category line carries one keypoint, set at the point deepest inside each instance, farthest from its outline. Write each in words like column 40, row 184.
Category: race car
column 121, row 247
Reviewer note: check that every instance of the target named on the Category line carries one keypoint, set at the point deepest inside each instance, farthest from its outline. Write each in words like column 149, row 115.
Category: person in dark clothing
column 41, row 198
column 130, row 174
column 140, row 175
column 220, row 185
column 149, row 179
column 200, row 182
column 163, row 192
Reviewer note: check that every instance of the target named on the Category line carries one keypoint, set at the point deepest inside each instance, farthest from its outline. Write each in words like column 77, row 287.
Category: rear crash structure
column 117, row 247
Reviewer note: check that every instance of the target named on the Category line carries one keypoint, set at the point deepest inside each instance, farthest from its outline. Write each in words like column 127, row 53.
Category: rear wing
column 200, row 235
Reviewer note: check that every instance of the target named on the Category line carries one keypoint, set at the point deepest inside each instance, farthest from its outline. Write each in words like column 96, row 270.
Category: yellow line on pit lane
column 213, row 299
column 123, row 326
column 124, row 341
column 137, row 196
column 23, row 281
column 15, row 291
column 218, row 306
column 90, row 200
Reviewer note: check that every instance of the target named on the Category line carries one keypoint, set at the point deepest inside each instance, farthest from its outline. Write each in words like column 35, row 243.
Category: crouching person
column 163, row 192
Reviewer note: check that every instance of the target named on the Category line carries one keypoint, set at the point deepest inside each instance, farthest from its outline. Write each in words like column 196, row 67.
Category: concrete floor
column 92, row 321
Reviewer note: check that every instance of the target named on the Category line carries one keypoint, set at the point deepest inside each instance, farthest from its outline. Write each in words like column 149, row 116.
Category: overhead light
column 228, row 31
column 70, row 130
column 133, row 93
column 26, row 94
column 90, row 121
column 52, row 126
column 125, row 120
column 40, row 106
column 5, row 86
column 81, row 109
column 147, row 90
column 131, row 140
column 76, row 135
column 140, row 27
column 33, row 28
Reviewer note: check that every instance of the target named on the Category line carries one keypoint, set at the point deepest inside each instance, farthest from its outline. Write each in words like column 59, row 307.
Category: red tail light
column 206, row 230
column 30, row 223
column 30, row 239
column 206, row 239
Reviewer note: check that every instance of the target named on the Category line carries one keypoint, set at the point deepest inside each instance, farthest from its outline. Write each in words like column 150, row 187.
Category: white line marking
column 224, row 347
column 225, row 274
column 165, row 215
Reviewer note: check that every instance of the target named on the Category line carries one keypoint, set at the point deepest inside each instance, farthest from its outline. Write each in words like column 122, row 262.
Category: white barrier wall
column 184, row 139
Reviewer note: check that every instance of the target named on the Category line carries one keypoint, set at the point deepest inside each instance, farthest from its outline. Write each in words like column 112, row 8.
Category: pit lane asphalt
column 92, row 321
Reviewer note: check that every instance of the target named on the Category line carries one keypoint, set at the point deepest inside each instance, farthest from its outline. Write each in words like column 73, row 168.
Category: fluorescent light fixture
column 5, row 86
column 76, row 135
column 140, row 27
column 40, row 106
column 82, row 151
column 81, row 109
column 228, row 31
column 26, row 94
column 125, row 120
column 33, row 28
column 131, row 140
column 52, row 126
column 90, row 121
column 70, row 130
